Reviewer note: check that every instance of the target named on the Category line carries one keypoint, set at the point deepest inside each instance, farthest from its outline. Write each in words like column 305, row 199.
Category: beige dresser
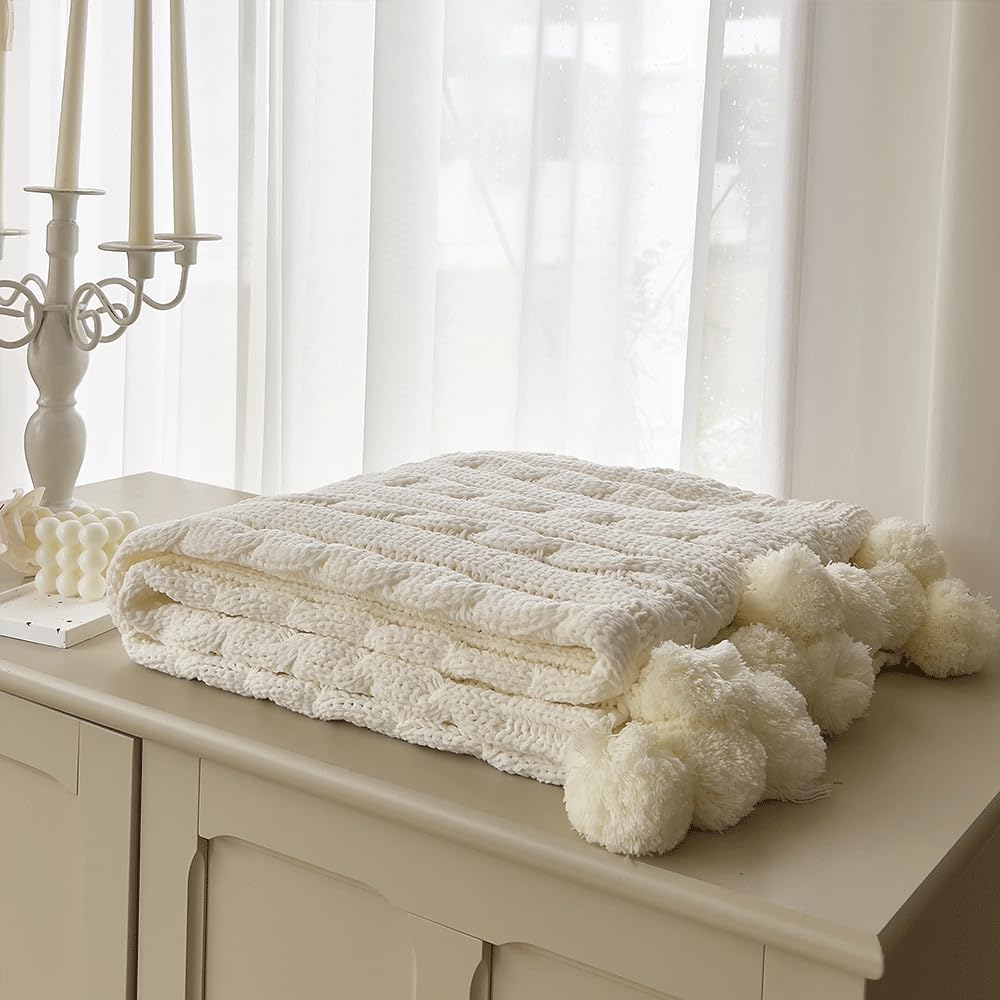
column 162, row 839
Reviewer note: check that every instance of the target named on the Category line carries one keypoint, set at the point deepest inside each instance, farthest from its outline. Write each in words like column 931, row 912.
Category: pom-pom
column 907, row 602
column 711, row 684
column 866, row 608
column 796, row 752
column 959, row 634
column 791, row 591
column 729, row 766
column 763, row 648
column 905, row 542
column 844, row 678
column 626, row 791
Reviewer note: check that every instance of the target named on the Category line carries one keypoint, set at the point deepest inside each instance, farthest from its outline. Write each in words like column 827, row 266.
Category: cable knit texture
column 526, row 608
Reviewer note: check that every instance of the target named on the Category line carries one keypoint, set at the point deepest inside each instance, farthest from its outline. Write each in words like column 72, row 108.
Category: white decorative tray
column 51, row 620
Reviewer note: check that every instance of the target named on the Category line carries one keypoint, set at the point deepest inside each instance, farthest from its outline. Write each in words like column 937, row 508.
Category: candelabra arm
column 178, row 298
column 31, row 314
column 38, row 281
column 86, row 324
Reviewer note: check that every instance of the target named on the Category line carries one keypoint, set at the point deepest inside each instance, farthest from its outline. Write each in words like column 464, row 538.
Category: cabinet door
column 276, row 927
column 251, row 889
column 230, row 910
column 67, row 833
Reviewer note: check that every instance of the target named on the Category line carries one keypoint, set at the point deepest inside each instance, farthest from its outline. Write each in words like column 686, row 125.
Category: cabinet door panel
column 276, row 927
column 521, row 972
column 38, row 738
column 40, row 884
column 66, row 857
column 279, row 927
column 224, row 915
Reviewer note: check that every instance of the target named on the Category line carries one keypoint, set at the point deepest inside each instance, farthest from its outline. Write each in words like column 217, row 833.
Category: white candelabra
column 63, row 321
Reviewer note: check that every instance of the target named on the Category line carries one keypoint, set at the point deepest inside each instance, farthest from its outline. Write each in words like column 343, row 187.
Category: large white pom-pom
column 796, row 752
column 907, row 601
column 763, row 648
column 844, row 680
column 729, row 766
column 627, row 791
column 905, row 542
column 866, row 608
column 959, row 634
column 790, row 590
column 712, row 684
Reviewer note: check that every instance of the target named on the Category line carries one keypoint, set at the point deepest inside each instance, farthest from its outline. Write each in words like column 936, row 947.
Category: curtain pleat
column 963, row 459
column 402, row 287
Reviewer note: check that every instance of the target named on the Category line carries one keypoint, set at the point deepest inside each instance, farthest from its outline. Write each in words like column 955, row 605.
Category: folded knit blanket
column 667, row 648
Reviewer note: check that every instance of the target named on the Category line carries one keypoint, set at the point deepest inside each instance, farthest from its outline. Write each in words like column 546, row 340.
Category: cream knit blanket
column 495, row 604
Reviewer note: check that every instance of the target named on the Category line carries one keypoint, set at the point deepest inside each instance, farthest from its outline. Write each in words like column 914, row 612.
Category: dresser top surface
column 916, row 777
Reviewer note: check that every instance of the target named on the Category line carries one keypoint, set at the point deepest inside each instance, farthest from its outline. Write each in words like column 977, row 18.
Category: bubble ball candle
column 75, row 547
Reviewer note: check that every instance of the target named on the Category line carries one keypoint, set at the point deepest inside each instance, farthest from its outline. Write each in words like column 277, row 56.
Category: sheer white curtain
column 549, row 224
column 898, row 347
column 609, row 181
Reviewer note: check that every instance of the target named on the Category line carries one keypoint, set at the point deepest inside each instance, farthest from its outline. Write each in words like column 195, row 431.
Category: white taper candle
column 181, row 124
column 140, row 221
column 6, row 33
column 71, row 117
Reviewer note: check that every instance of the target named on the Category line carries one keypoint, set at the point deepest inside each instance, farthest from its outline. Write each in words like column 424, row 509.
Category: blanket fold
column 660, row 644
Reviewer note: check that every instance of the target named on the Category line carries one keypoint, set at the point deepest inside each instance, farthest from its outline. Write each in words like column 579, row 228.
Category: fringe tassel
column 821, row 791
